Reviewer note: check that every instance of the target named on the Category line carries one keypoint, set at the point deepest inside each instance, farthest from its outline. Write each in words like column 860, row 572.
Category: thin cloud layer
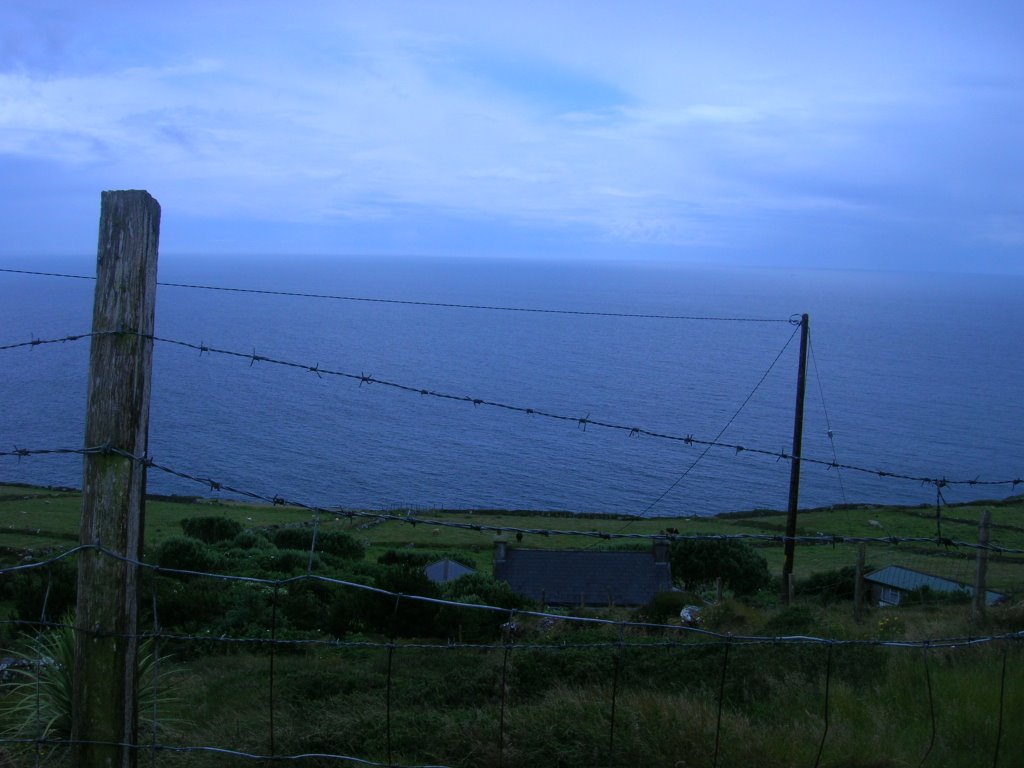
column 707, row 134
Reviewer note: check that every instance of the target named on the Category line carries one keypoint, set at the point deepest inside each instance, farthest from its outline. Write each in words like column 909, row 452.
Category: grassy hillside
column 356, row 674
column 41, row 520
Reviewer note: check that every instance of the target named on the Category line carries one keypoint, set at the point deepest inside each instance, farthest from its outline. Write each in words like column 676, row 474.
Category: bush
column 307, row 604
column 211, row 530
column 401, row 618
column 327, row 542
column 186, row 554
column 286, row 561
column 54, row 586
column 488, row 591
column 251, row 540
column 830, row 586
column 476, row 624
column 698, row 563
column 665, row 607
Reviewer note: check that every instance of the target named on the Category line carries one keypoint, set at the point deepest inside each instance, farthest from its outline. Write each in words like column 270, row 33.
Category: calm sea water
column 915, row 374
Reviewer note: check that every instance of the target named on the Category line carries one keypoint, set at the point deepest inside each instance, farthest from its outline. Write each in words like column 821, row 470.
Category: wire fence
column 609, row 658
column 601, row 672
column 581, row 422
column 618, row 668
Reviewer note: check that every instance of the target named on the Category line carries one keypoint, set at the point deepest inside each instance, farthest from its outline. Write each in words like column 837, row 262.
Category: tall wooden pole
column 104, row 702
column 794, row 470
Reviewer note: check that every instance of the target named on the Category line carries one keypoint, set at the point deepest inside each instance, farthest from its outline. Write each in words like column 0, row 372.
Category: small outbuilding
column 889, row 585
column 585, row 576
column 446, row 570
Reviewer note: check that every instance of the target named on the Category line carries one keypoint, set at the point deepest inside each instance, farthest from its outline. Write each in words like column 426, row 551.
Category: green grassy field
column 40, row 520
column 548, row 699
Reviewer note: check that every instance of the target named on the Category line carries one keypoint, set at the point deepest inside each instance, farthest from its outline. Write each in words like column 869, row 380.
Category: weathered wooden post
column 105, row 698
column 980, row 601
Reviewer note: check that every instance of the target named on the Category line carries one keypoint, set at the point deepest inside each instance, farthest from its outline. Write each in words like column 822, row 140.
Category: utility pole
column 794, row 467
column 104, row 726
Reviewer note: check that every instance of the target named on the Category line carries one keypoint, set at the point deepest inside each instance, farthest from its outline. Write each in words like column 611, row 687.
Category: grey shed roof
column 584, row 577
column 907, row 580
column 446, row 570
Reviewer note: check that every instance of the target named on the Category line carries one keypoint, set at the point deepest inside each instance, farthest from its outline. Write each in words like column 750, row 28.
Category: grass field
column 41, row 520
column 571, row 696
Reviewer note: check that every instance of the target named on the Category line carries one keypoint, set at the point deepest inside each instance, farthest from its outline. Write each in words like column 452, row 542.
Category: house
column 584, row 577
column 446, row 570
column 890, row 584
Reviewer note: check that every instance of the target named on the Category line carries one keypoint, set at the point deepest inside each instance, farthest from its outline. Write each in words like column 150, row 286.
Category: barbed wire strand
column 432, row 304
column 582, row 422
column 409, row 519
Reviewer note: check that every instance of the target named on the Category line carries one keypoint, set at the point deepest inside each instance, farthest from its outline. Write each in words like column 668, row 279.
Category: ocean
column 912, row 374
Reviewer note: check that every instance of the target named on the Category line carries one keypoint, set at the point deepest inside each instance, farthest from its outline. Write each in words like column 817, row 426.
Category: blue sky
column 825, row 134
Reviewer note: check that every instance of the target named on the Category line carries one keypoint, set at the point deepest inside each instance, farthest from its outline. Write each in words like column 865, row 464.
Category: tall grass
column 446, row 707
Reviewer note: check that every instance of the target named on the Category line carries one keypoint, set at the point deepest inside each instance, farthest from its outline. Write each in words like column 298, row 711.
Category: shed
column 584, row 577
column 890, row 584
column 446, row 570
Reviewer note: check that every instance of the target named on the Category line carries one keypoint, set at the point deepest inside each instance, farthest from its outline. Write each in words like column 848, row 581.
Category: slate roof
column 446, row 570
column 584, row 577
column 906, row 580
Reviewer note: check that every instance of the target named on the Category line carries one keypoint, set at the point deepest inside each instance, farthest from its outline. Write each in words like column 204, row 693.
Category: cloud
column 669, row 124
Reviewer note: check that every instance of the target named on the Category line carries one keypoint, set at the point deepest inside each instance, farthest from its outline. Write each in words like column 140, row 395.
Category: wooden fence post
column 104, row 703
column 980, row 601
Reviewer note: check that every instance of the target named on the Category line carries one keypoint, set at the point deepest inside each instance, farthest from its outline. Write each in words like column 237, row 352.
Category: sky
column 874, row 134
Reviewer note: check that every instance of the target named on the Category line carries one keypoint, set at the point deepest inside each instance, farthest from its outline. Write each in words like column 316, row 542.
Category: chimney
column 500, row 550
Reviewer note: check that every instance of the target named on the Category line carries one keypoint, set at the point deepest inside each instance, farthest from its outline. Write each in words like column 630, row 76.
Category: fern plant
column 35, row 699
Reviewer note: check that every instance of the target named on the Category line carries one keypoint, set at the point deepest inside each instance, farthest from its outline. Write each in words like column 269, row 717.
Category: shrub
column 402, row 618
column 211, row 530
column 54, row 586
column 488, row 591
column 830, row 586
column 186, row 554
column 664, row 607
column 698, row 563
column 476, row 624
column 251, row 540
column 38, row 692
column 327, row 542
column 307, row 605
column 187, row 604
column 284, row 561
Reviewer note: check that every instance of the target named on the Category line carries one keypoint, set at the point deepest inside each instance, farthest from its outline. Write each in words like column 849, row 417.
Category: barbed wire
column 694, row 637
column 513, row 613
column 40, row 342
column 434, row 304
column 279, row 500
column 582, row 422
